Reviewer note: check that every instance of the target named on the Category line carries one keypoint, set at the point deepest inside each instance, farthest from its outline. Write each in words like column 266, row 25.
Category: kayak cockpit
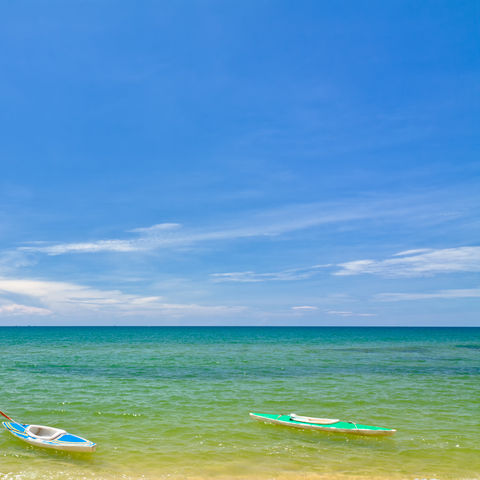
column 44, row 433
column 319, row 421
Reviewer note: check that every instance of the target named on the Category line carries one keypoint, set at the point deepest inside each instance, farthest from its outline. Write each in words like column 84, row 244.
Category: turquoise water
column 174, row 402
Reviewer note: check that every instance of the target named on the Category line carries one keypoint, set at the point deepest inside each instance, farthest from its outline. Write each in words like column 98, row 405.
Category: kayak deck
column 64, row 441
column 336, row 427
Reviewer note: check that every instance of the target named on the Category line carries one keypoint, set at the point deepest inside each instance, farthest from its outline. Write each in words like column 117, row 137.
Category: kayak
column 324, row 424
column 48, row 437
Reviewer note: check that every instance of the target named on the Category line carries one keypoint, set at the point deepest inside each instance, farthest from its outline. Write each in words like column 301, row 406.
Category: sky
column 247, row 162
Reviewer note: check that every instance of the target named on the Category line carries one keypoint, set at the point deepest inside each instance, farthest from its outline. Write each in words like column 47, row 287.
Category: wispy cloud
column 63, row 298
column 11, row 260
column 417, row 263
column 346, row 313
column 284, row 275
column 441, row 294
column 305, row 308
column 17, row 309
column 257, row 224
column 266, row 224
column 149, row 238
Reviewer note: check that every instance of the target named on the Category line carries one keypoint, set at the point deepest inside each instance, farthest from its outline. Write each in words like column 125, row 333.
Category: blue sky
column 239, row 163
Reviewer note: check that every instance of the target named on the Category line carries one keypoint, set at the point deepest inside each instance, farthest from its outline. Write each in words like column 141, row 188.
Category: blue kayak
column 49, row 437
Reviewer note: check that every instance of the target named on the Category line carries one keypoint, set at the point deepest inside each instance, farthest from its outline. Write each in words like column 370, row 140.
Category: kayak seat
column 44, row 433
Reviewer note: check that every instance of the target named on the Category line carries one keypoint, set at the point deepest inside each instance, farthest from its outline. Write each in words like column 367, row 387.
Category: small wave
column 469, row 346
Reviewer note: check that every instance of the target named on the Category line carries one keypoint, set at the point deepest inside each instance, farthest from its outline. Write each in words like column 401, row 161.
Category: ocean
column 173, row 402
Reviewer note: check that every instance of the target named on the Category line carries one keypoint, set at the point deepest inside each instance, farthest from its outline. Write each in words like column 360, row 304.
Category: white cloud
column 411, row 252
column 441, row 294
column 418, row 263
column 159, row 227
column 11, row 260
column 259, row 224
column 63, row 298
column 284, row 275
column 343, row 313
column 16, row 309
column 305, row 308
column 87, row 247
column 148, row 238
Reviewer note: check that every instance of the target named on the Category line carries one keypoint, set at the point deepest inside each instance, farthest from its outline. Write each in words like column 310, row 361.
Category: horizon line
column 239, row 326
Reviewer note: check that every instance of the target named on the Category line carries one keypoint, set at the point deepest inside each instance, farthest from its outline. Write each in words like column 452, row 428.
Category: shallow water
column 174, row 402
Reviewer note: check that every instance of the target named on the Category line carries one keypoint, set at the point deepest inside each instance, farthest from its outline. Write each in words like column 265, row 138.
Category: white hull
column 49, row 437
column 63, row 447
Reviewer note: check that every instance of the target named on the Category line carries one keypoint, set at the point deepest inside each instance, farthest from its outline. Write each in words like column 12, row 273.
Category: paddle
column 6, row 416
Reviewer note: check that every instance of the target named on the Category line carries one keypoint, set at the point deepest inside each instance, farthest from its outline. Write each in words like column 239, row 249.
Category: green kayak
column 324, row 424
